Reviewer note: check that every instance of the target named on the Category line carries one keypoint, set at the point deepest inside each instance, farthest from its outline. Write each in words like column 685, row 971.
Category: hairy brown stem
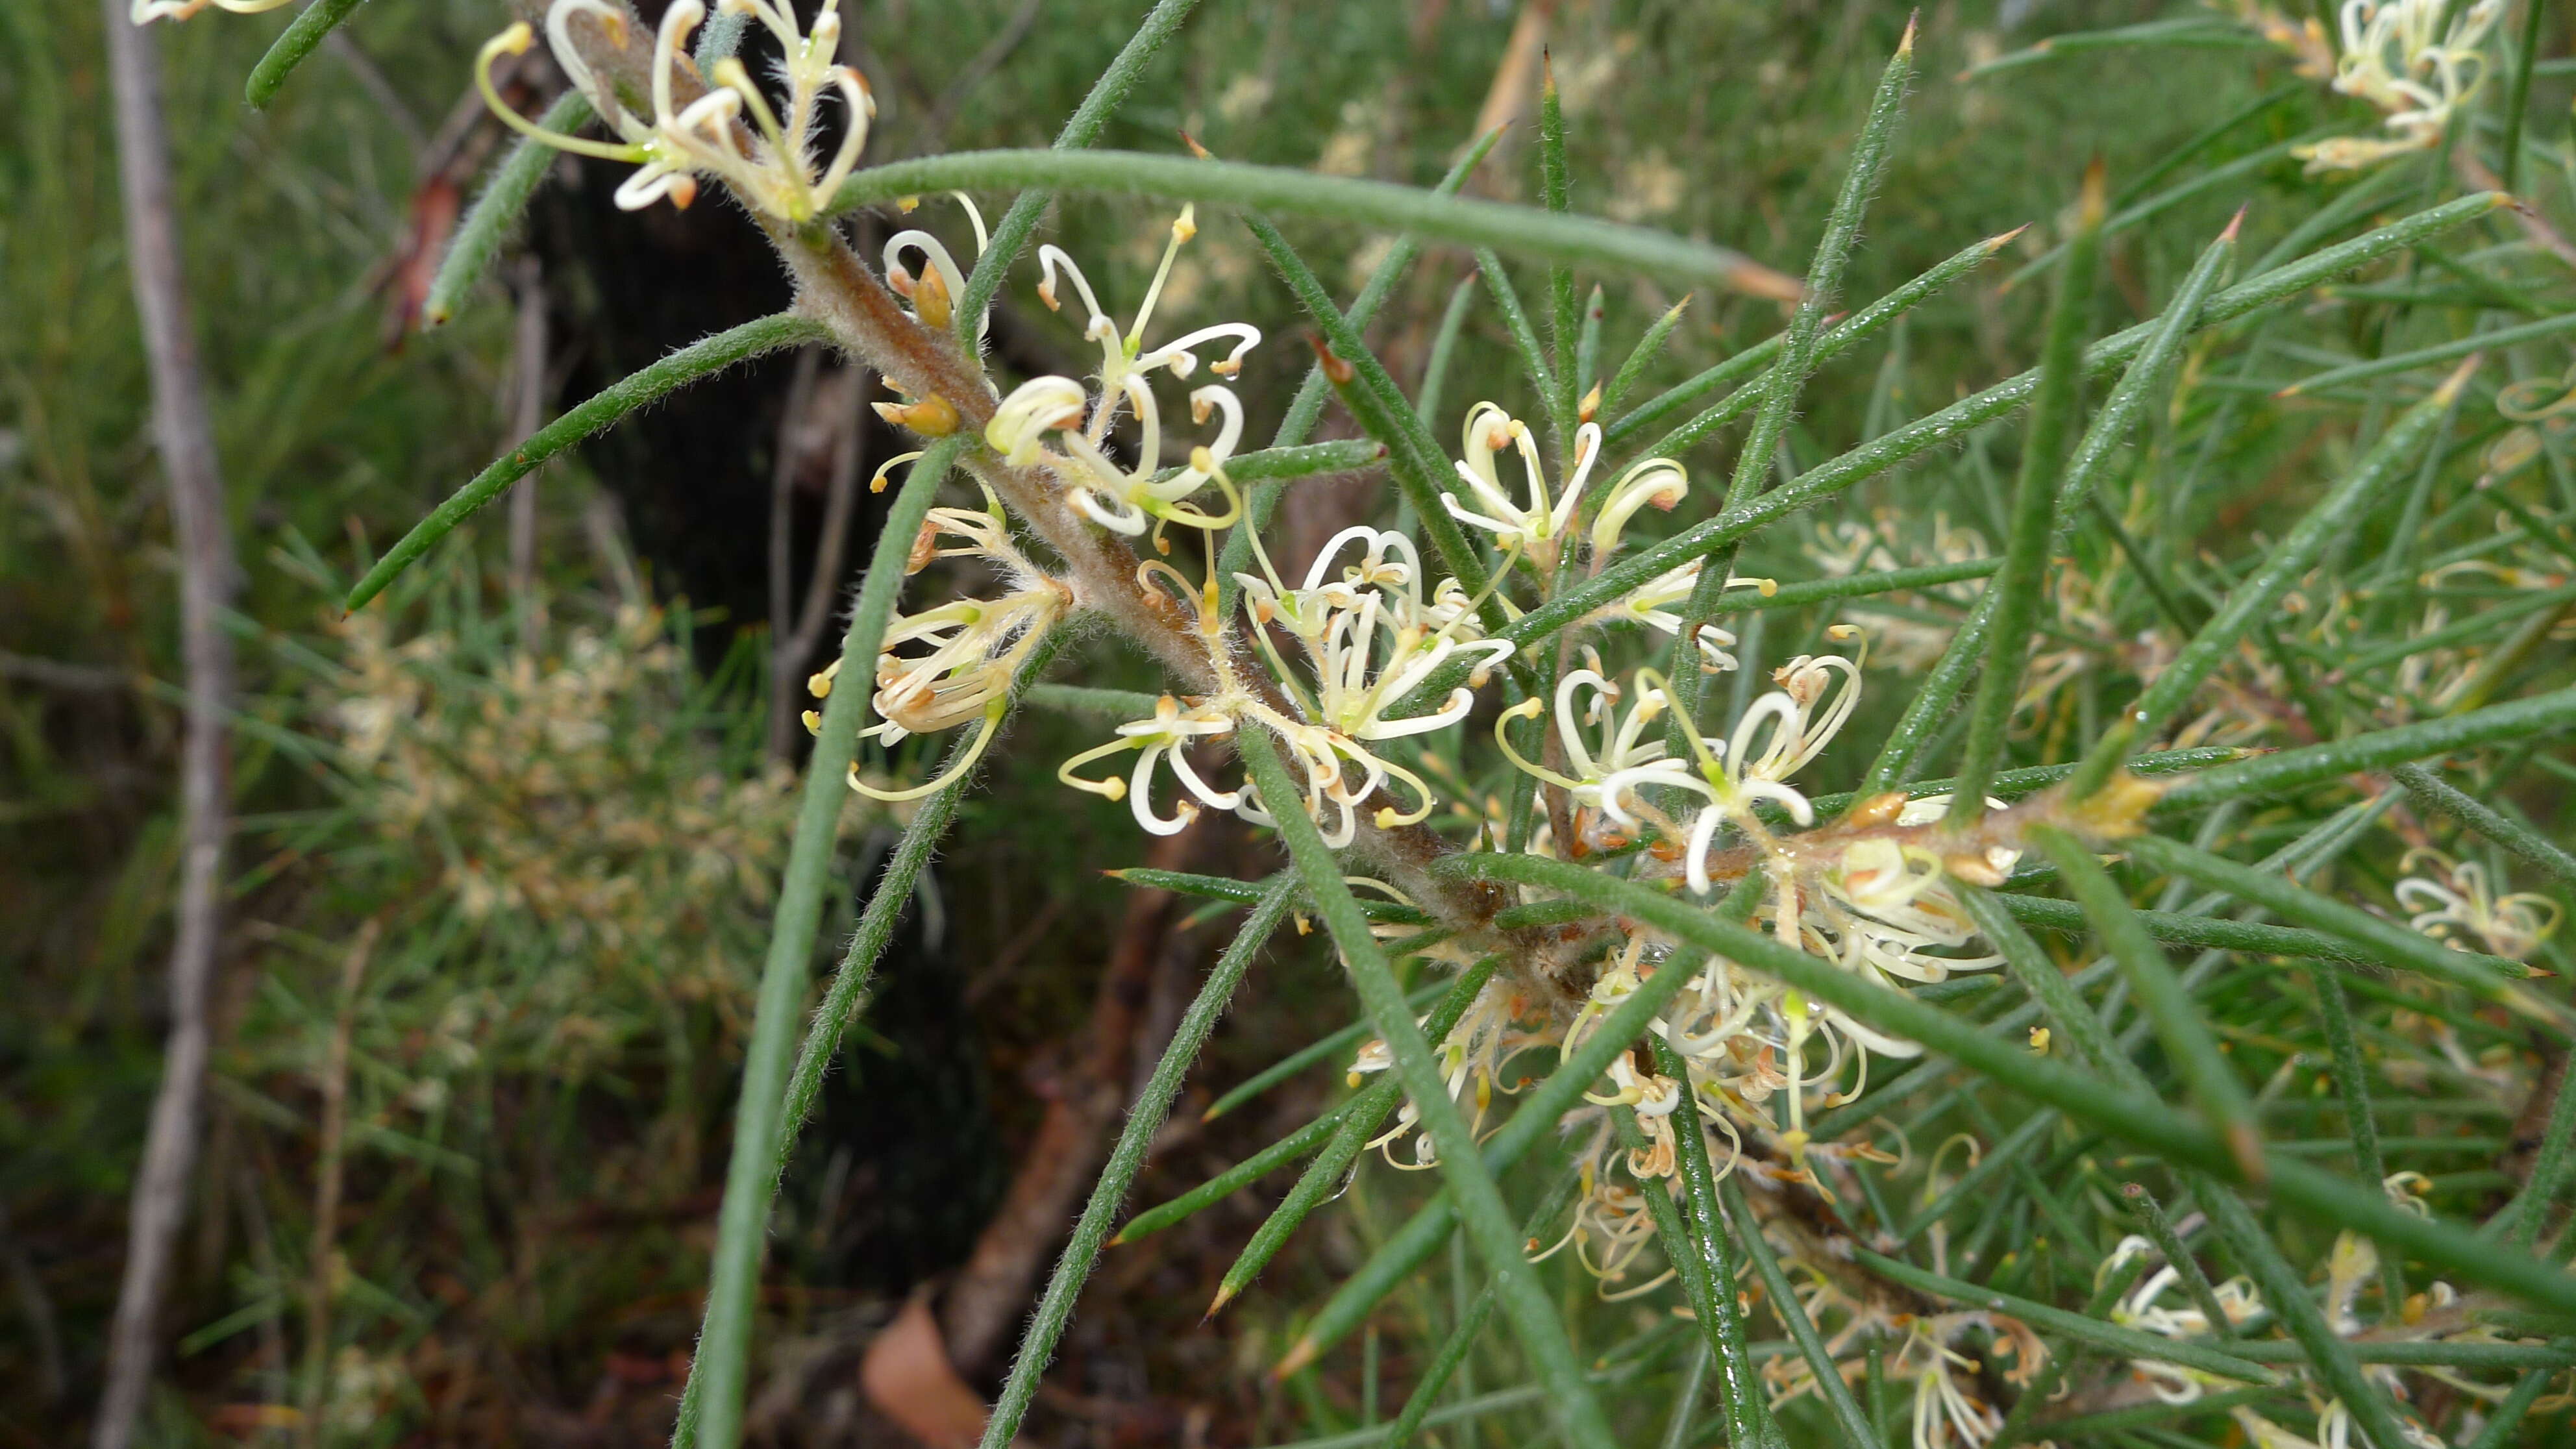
column 838, row 290
column 184, row 435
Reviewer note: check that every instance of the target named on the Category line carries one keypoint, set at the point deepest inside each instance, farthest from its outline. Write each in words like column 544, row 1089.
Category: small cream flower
column 1624, row 758
column 934, row 292
column 1472, row 1059
column 1657, row 482
column 2454, row 904
column 1125, row 352
column 1167, row 736
column 1535, row 526
column 147, row 11
column 1651, row 604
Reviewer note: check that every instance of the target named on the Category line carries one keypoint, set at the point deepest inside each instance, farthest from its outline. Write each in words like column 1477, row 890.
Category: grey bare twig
column 184, row 435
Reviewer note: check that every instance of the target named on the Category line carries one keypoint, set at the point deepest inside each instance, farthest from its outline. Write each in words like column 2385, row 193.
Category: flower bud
column 931, row 417
column 930, row 300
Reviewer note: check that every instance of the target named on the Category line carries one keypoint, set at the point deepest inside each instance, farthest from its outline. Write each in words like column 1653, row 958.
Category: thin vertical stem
column 1787, row 378
column 530, row 347
column 2187, row 1042
column 2109, row 429
column 1792, row 1313
column 1739, row 1387
column 2517, row 97
column 1677, row 1425
column 847, row 995
column 2195, row 1283
column 1308, row 404
column 785, row 456
column 2352, row 1084
column 329, row 1179
column 2548, row 1169
column 183, row 432
column 1563, row 326
column 1641, row 357
column 1444, row 348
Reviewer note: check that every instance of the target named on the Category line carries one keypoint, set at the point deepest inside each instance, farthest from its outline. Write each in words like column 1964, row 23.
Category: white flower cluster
column 720, row 124
column 2350, row 1266
column 974, row 647
column 2401, row 57
column 1353, row 665
column 1927, row 1359
column 1058, row 423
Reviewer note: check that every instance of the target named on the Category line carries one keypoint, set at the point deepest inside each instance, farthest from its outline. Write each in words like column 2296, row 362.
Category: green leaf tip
column 294, row 46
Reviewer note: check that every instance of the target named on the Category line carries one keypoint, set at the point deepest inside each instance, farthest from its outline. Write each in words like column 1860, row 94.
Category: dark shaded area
column 901, row 1163
column 693, row 473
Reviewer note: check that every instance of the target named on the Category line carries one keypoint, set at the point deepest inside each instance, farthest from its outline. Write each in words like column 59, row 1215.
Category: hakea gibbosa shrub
column 1745, row 994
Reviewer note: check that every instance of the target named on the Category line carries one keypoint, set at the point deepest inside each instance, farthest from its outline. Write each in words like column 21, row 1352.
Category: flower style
column 1354, row 693
column 1947, row 1414
column 1126, row 500
column 2398, row 56
column 1122, row 499
column 1734, row 779
column 934, row 293
column 1623, row 752
column 1369, row 641
column 2454, row 904
column 1659, row 483
column 770, row 165
column 2144, row 1307
column 1887, row 910
column 1944, row 1413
